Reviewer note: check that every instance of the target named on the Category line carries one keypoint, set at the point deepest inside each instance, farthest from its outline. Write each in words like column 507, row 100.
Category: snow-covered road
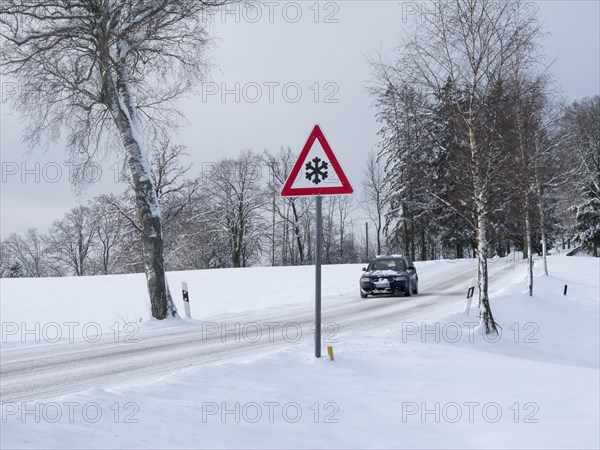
column 31, row 372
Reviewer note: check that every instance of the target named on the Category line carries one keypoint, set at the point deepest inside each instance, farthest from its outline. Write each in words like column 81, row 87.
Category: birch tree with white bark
column 100, row 72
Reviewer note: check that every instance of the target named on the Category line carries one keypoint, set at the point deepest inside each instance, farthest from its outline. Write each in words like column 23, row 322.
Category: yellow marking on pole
column 330, row 352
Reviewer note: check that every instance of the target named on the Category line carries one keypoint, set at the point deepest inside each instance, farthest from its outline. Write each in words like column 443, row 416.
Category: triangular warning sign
column 317, row 170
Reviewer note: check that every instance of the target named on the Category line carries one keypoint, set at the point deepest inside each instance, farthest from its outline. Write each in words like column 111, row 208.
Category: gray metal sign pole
column 318, row 276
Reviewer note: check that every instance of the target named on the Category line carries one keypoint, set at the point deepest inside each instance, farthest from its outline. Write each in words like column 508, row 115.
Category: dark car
column 391, row 275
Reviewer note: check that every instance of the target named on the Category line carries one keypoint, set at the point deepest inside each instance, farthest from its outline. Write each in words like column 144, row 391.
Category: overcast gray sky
column 280, row 69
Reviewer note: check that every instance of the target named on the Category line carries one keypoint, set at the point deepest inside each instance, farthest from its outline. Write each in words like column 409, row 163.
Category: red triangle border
column 345, row 188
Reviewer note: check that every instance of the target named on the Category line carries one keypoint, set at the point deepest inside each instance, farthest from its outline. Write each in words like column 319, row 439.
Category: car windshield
column 387, row 264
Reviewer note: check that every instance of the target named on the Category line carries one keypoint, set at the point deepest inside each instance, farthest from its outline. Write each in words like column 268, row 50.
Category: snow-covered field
column 423, row 378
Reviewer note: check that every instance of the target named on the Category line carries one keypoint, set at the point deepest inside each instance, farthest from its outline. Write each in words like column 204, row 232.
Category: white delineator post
column 470, row 293
column 186, row 300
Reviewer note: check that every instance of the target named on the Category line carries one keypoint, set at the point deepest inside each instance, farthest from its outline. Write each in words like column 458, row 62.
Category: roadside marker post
column 317, row 172
column 330, row 352
column 470, row 293
column 186, row 300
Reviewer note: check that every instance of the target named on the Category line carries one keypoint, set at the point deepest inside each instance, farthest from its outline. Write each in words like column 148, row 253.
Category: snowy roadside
column 413, row 385
column 39, row 311
column 42, row 311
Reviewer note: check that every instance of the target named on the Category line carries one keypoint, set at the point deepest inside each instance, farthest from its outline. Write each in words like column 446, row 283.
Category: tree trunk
column 529, row 247
column 284, row 248
column 542, row 220
column 423, row 244
column 297, row 233
column 405, row 225
column 487, row 319
column 106, row 261
column 236, row 253
column 480, row 190
column 124, row 112
column 525, row 253
column 544, row 248
column 412, row 240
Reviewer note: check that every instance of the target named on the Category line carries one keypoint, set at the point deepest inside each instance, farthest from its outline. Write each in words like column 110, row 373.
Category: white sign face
column 317, row 170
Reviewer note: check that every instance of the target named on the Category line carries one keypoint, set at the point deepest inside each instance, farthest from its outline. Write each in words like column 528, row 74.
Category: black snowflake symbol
column 316, row 171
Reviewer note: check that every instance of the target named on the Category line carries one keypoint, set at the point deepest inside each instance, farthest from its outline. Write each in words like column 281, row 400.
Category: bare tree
column 194, row 240
column 551, row 167
column 110, row 228
column 31, row 252
column 70, row 240
column 526, row 125
column 551, row 172
column 6, row 263
column 287, row 212
column 345, row 207
column 375, row 192
column 170, row 175
column 237, row 201
column 105, row 69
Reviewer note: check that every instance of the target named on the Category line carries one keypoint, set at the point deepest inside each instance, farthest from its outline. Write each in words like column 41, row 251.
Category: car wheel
column 362, row 294
column 407, row 293
column 416, row 288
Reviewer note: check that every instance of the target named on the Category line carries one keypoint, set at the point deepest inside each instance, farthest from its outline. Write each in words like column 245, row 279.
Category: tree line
column 232, row 215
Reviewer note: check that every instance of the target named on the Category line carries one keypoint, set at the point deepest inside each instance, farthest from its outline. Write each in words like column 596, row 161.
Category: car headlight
column 365, row 280
column 400, row 279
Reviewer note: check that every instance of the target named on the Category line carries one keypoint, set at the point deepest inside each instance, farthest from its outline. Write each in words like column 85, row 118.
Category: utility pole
column 367, row 241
